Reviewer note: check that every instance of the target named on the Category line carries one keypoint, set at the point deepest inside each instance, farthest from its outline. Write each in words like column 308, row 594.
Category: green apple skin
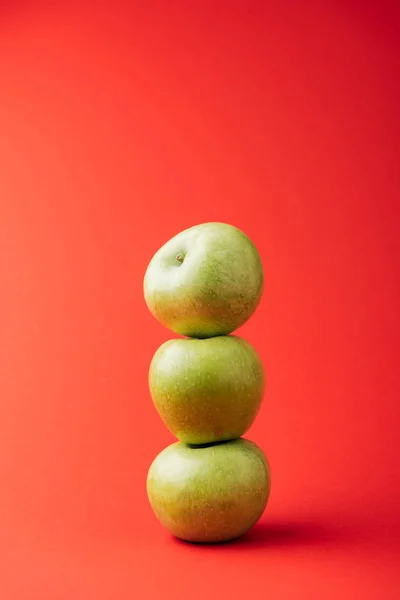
column 207, row 390
column 205, row 281
column 209, row 493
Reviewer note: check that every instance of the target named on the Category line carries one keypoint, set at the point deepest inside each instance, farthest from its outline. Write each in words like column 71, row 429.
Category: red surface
column 120, row 127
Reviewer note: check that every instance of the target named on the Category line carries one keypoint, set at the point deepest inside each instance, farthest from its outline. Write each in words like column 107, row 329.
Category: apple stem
column 180, row 258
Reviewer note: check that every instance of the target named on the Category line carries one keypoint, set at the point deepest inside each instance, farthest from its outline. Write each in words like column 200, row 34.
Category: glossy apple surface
column 205, row 281
column 209, row 493
column 207, row 390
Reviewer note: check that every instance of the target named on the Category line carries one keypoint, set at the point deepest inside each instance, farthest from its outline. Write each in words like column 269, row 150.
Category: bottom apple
column 210, row 493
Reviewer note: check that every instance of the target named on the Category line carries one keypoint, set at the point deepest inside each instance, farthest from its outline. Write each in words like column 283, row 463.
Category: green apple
column 207, row 390
column 209, row 493
column 205, row 281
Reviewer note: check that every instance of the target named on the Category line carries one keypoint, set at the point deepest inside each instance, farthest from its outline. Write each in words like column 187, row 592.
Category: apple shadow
column 289, row 533
column 279, row 534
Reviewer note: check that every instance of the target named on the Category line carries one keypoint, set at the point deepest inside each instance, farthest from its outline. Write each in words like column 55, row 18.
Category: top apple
column 205, row 281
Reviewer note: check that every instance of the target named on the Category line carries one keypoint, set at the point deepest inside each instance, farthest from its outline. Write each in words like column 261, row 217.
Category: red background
column 120, row 127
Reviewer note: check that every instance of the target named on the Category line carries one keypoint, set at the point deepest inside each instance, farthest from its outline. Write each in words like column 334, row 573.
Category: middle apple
column 207, row 390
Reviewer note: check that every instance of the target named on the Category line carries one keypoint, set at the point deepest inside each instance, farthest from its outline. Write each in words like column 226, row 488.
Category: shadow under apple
column 280, row 533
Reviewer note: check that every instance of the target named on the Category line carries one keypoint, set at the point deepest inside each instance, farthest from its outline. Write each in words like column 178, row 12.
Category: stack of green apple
column 212, row 485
